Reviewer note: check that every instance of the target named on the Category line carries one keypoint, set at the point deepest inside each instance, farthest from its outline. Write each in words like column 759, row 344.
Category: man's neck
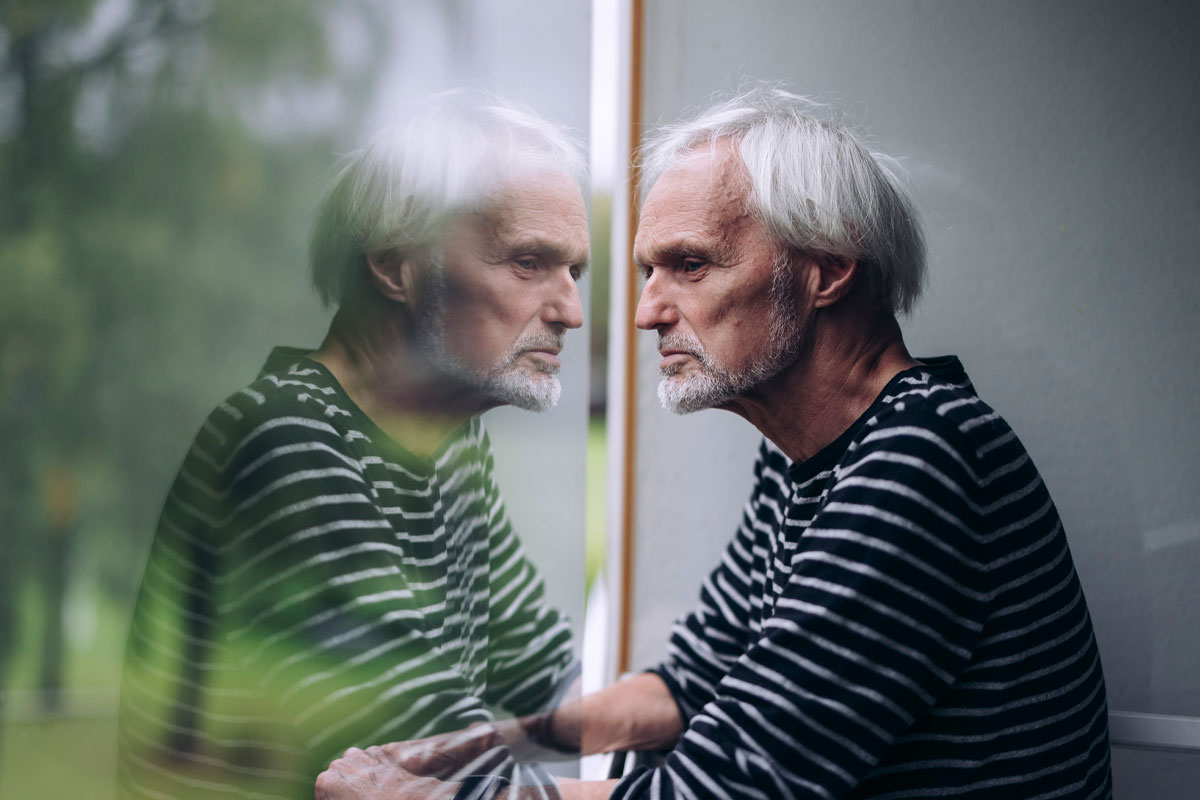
column 393, row 384
column 830, row 385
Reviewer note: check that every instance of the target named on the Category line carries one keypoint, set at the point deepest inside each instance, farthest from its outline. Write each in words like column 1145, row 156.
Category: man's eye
column 692, row 266
column 526, row 262
column 576, row 272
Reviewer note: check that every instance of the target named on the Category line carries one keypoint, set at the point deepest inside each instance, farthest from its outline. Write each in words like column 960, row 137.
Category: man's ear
column 393, row 275
column 834, row 278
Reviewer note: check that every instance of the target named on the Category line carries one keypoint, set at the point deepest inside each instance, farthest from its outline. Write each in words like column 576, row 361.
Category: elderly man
column 898, row 614
column 334, row 564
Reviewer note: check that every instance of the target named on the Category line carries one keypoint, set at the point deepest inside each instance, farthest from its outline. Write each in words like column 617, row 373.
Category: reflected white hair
column 398, row 193
column 815, row 184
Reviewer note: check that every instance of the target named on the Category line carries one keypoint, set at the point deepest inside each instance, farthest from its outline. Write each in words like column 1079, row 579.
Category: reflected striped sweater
column 313, row 586
column 896, row 617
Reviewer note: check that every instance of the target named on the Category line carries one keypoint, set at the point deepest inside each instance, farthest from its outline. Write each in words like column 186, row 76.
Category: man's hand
column 635, row 714
column 360, row 775
column 477, row 750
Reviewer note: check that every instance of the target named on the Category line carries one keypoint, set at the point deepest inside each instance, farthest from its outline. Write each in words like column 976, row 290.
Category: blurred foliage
column 40, row 747
column 596, row 502
column 600, row 271
column 160, row 161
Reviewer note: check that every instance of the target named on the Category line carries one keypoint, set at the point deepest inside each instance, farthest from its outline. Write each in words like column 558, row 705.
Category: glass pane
column 163, row 165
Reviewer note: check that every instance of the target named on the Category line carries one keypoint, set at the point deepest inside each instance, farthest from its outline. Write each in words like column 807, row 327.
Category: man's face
column 721, row 296
column 503, row 290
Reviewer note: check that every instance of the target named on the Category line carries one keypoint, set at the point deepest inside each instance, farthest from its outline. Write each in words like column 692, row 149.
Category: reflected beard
column 708, row 384
column 532, row 386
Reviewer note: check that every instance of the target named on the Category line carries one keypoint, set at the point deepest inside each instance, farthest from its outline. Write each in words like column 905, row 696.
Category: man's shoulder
column 938, row 405
column 295, row 400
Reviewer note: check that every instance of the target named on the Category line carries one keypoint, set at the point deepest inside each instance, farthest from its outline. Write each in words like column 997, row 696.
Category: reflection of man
column 898, row 615
column 334, row 565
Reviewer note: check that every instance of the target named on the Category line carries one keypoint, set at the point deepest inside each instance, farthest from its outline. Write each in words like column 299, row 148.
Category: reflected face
column 504, row 291
column 718, row 291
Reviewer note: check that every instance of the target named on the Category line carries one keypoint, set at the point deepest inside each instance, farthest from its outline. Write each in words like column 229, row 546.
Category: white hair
column 815, row 184
column 398, row 193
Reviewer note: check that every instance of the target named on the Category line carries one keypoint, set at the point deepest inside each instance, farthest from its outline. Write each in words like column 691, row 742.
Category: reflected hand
column 477, row 750
column 359, row 775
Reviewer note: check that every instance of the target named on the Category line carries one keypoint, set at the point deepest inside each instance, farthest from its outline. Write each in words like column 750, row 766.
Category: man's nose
column 653, row 308
column 565, row 308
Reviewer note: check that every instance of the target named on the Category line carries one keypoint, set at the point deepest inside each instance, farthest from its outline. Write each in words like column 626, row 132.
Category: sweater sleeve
column 275, row 626
column 884, row 601
column 318, row 595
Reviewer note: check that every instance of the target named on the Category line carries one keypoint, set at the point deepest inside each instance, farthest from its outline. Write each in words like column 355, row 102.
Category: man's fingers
column 403, row 753
column 395, row 750
column 327, row 783
column 356, row 756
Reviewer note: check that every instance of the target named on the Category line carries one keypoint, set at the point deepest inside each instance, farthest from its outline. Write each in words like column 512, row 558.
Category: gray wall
column 1051, row 147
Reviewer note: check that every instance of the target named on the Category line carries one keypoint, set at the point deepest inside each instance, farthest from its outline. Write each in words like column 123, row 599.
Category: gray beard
column 509, row 382
column 711, row 384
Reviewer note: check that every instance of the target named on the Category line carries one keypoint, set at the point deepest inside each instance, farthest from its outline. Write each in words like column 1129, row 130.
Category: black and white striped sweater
column 896, row 617
column 313, row 586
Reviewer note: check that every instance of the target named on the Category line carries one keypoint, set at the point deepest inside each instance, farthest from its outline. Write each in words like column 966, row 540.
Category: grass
column 72, row 754
column 597, row 474
column 59, row 758
column 95, row 633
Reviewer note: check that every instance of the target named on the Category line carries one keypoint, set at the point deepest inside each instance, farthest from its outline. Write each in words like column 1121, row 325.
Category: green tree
column 159, row 162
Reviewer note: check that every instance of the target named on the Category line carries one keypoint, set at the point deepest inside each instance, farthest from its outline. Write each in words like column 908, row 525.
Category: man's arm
column 583, row 790
column 883, row 604
column 314, row 631
column 638, row 713
column 366, row 775
column 647, row 711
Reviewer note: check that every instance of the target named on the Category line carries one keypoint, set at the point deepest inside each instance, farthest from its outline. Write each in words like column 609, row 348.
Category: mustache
column 539, row 340
column 681, row 343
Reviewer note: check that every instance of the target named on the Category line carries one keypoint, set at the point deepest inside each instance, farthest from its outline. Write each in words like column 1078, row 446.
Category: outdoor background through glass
column 160, row 164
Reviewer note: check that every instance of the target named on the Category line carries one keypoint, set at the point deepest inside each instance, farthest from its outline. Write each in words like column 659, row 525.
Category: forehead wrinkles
column 706, row 194
column 547, row 213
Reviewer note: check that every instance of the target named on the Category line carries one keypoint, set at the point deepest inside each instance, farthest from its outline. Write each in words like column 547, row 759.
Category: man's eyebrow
column 550, row 250
column 677, row 250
